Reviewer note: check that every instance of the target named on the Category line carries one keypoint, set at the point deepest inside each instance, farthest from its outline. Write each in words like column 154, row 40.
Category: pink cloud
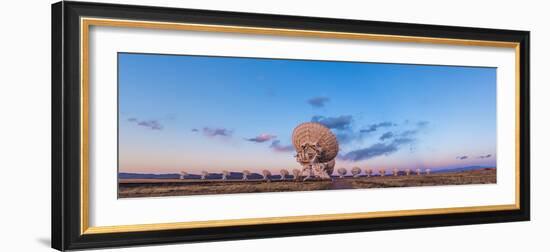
column 261, row 138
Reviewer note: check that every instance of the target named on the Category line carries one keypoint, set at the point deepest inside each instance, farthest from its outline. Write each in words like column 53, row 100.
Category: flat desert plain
column 130, row 188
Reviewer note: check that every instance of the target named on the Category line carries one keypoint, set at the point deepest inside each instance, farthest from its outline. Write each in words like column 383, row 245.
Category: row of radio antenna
column 296, row 173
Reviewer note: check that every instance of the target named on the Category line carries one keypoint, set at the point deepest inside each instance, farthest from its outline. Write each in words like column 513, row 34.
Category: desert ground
column 131, row 188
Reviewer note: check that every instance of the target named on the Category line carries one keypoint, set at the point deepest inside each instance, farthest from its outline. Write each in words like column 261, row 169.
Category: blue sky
column 199, row 113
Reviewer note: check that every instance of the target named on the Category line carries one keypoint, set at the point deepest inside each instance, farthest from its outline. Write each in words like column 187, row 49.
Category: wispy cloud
column 212, row 132
column 403, row 140
column 261, row 138
column 386, row 135
column 276, row 146
column 422, row 124
column 390, row 141
column 150, row 124
column 346, row 137
column 376, row 126
column 408, row 133
column 340, row 122
column 194, row 130
column 377, row 149
column 479, row 157
column 318, row 102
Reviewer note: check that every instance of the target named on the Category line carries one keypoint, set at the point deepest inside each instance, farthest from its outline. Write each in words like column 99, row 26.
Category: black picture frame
column 66, row 124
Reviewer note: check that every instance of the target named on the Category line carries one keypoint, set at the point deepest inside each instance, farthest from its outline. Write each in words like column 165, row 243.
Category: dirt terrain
column 130, row 188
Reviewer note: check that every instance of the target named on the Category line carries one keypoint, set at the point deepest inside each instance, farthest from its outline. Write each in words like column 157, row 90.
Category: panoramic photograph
column 199, row 125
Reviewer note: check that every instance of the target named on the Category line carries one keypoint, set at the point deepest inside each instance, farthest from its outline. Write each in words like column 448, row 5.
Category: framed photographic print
column 180, row 125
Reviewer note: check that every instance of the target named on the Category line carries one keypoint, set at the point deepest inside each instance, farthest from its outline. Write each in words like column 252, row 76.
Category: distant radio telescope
column 316, row 148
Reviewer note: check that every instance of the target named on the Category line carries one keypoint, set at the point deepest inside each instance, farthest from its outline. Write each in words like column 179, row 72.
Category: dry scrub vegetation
column 130, row 190
column 171, row 187
column 459, row 178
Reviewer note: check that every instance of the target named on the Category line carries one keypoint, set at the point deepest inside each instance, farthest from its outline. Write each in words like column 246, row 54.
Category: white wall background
column 25, row 124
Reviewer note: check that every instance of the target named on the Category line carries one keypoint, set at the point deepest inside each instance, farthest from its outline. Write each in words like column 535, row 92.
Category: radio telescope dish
column 329, row 166
column 316, row 134
column 316, row 148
